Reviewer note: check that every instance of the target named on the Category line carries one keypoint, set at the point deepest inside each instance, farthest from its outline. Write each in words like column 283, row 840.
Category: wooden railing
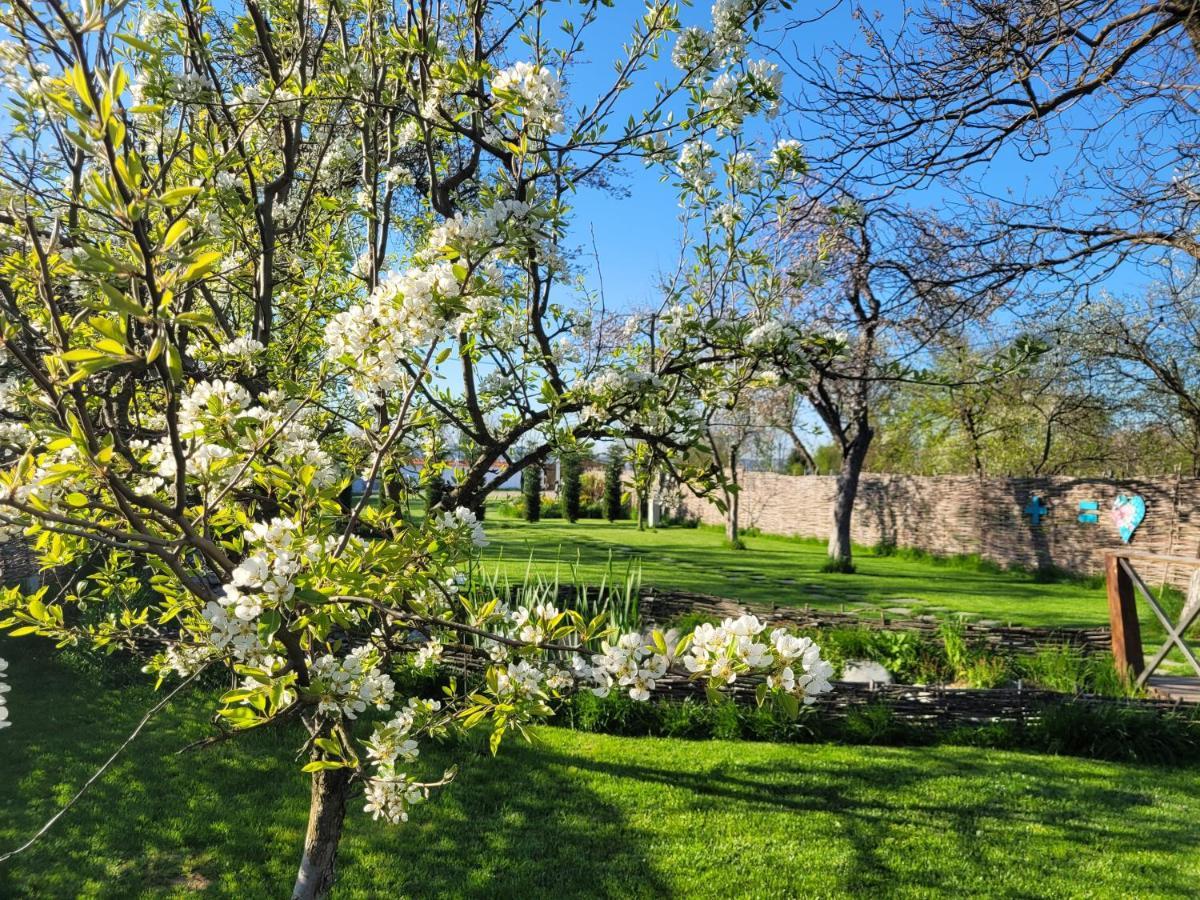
column 1125, row 587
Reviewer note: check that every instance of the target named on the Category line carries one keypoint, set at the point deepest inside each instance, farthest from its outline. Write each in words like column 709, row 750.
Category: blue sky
column 637, row 235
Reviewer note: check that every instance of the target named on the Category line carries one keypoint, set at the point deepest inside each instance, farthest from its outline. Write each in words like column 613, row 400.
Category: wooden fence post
column 1123, row 619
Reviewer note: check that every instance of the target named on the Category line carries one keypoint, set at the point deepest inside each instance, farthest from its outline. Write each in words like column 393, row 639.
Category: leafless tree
column 889, row 283
column 1099, row 93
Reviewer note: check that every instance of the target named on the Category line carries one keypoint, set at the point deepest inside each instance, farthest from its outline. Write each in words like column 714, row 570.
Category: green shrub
column 531, row 492
column 985, row 672
column 612, row 485
column 435, row 490
column 572, row 486
column 1096, row 731
column 1104, row 731
column 1066, row 669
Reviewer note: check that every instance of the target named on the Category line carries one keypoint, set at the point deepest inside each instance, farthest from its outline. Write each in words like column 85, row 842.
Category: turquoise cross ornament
column 1035, row 509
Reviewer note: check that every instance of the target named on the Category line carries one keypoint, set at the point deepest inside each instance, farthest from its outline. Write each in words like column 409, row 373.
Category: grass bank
column 577, row 815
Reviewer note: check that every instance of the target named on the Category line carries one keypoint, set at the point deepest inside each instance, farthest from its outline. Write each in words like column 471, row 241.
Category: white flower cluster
column 4, row 723
column 391, row 742
column 10, row 393
column 264, row 579
column 15, row 435
column 475, row 234
column 404, row 313
column 348, row 686
column 695, row 164
column 218, row 421
column 533, row 624
column 768, row 334
column 613, row 386
column 729, row 18
column 242, row 349
column 390, row 797
column 390, row 793
column 212, row 404
column 792, row 664
column 539, row 94
column 463, row 522
column 788, row 156
column 693, row 49
column 632, row 663
column 734, row 96
column 46, row 487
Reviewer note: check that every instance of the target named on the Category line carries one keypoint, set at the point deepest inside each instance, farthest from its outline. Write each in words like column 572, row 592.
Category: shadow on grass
column 229, row 820
column 986, row 813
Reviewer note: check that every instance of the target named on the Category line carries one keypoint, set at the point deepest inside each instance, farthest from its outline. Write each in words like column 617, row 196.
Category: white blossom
column 538, row 92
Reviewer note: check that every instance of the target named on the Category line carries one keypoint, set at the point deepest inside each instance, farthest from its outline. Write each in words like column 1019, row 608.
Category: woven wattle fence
column 662, row 607
column 933, row 706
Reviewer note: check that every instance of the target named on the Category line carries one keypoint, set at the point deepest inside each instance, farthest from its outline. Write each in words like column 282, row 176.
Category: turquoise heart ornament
column 1127, row 514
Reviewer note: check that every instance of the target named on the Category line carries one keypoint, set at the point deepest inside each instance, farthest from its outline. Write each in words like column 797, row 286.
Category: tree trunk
column 326, row 812
column 840, row 554
column 731, row 500
column 731, row 518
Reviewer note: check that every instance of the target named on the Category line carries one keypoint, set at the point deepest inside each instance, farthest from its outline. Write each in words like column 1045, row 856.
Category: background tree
column 1149, row 353
column 887, row 282
column 571, row 486
column 531, row 493
column 614, row 471
column 1098, row 90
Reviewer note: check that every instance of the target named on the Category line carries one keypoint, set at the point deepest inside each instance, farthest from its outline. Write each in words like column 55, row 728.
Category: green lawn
column 788, row 571
column 580, row 815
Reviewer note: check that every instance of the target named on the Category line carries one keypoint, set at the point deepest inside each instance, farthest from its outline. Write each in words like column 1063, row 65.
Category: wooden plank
column 1143, row 556
column 1122, row 617
column 1181, row 690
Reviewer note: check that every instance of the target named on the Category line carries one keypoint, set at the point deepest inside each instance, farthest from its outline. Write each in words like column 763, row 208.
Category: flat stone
column 899, row 610
column 865, row 671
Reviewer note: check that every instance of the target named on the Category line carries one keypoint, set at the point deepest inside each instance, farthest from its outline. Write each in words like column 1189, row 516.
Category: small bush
column 613, row 471
column 572, row 486
column 1067, row 670
column 1116, row 733
column 531, row 492
column 1097, row 731
column 985, row 672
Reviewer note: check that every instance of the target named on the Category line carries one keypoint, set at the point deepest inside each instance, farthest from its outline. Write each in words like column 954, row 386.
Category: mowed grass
column 577, row 815
column 787, row 571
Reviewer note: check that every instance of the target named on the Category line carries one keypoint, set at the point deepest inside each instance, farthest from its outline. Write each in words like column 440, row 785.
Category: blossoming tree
column 237, row 248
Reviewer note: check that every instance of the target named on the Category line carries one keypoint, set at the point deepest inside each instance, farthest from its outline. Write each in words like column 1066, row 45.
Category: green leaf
column 81, row 355
column 318, row 765
column 175, row 233
column 178, row 195
column 132, row 41
column 174, row 364
column 204, row 264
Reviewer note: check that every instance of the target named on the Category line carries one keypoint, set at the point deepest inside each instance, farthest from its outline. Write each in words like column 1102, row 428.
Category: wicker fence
column 664, row 606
